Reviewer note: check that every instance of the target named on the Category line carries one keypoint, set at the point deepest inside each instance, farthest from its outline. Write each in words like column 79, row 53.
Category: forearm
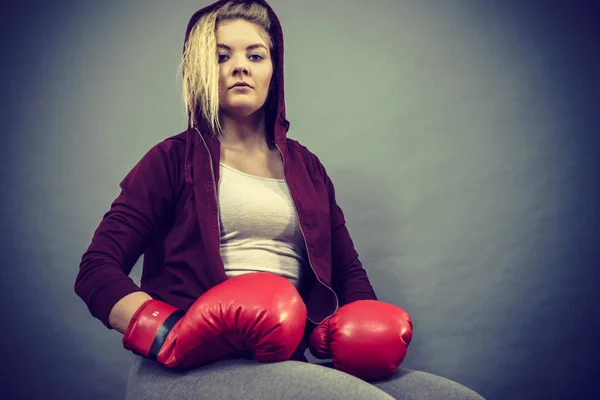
column 349, row 278
column 123, row 310
column 352, row 283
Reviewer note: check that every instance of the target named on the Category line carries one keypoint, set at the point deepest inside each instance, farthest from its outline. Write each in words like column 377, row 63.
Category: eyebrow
column 251, row 47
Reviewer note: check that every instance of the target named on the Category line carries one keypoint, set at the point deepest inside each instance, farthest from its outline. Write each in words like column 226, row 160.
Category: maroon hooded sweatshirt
column 167, row 210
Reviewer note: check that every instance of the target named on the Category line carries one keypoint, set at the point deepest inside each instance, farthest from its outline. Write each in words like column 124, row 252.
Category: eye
column 258, row 57
column 223, row 57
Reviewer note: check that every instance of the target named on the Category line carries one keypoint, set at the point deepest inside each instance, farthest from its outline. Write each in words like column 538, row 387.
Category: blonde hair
column 199, row 64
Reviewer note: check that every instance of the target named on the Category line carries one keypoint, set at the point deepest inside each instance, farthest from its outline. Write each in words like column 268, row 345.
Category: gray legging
column 237, row 379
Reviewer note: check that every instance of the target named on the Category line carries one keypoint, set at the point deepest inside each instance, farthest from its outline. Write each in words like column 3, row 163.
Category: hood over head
column 275, row 119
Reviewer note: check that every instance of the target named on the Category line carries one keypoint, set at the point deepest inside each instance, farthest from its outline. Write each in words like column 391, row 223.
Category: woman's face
column 244, row 56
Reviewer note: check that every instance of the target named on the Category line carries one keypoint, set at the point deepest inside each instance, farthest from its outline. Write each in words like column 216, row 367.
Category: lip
column 241, row 84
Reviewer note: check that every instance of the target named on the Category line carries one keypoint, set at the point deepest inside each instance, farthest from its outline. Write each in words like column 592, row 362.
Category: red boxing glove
column 365, row 338
column 259, row 312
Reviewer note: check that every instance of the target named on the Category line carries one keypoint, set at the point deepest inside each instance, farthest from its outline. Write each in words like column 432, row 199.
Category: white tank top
column 259, row 226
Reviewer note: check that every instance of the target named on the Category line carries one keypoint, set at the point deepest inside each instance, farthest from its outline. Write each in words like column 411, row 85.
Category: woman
column 247, row 259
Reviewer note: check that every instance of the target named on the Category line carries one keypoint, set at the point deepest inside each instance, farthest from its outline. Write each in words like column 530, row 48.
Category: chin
column 242, row 109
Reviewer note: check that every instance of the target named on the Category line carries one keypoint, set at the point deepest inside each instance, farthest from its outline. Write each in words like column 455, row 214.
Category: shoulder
column 310, row 159
column 174, row 144
column 170, row 150
column 163, row 162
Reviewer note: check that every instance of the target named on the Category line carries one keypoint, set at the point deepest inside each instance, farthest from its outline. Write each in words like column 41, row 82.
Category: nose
column 240, row 69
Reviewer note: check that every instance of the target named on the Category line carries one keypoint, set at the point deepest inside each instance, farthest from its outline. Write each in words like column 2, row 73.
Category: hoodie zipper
column 216, row 192
column 337, row 302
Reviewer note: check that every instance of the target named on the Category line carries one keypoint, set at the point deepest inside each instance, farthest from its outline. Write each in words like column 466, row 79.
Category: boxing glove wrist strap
column 149, row 327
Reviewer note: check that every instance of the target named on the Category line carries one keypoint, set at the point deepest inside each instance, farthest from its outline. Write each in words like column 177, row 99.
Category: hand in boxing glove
column 365, row 338
column 260, row 312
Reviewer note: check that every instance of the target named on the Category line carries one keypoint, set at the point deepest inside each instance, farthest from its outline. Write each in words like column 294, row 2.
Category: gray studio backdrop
column 461, row 137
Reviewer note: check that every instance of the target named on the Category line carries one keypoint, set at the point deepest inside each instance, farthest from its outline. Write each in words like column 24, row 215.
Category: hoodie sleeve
column 349, row 278
column 134, row 217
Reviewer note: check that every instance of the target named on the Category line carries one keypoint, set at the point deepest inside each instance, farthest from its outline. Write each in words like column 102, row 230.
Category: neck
column 246, row 133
